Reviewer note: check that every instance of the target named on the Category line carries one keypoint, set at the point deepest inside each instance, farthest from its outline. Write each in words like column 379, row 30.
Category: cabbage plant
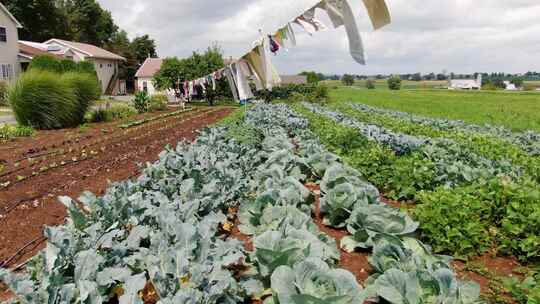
column 313, row 281
column 369, row 221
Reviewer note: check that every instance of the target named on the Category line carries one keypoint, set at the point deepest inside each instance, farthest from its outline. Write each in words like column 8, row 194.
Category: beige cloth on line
column 378, row 13
column 260, row 61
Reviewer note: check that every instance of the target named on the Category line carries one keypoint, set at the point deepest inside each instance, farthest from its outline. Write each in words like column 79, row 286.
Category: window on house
column 101, row 65
column 6, row 71
column 3, row 34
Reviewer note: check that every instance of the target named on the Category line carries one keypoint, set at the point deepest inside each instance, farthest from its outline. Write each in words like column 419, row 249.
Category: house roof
column 91, row 51
column 464, row 82
column 17, row 23
column 149, row 68
column 293, row 79
column 30, row 49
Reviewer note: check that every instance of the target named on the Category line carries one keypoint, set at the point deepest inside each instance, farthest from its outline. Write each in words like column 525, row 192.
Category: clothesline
column 256, row 65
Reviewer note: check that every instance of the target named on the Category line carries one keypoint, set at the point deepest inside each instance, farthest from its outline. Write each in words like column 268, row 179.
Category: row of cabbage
column 164, row 236
column 528, row 140
column 502, row 210
column 406, row 269
column 453, row 164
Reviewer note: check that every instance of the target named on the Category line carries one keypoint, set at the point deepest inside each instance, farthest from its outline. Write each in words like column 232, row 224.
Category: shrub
column 394, row 83
column 68, row 66
column 489, row 87
column 42, row 100
column 8, row 132
column 347, row 80
column 297, row 97
column 285, row 92
column 50, row 63
column 370, row 84
column 141, row 102
column 87, row 90
column 3, row 93
column 158, row 103
column 46, row 62
column 86, row 67
column 116, row 112
column 319, row 94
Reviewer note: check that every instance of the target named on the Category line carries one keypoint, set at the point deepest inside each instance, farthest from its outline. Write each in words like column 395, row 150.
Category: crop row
column 166, row 236
column 528, row 140
column 486, row 145
column 501, row 209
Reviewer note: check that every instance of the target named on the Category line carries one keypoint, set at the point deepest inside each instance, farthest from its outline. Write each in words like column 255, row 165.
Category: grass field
column 514, row 110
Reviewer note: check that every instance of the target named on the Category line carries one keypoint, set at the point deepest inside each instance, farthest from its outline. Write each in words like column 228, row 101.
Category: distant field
column 515, row 110
column 406, row 84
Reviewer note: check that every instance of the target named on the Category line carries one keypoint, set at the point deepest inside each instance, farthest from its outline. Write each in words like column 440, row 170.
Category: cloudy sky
column 461, row 36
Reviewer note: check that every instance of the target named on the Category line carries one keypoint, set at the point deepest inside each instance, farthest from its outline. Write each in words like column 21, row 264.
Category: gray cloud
column 425, row 36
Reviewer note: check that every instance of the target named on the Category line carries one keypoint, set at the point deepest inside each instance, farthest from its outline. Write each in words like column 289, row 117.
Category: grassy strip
column 153, row 118
column 488, row 146
column 518, row 111
column 499, row 213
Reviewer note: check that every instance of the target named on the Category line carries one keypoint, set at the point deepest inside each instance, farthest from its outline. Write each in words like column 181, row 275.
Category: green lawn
column 515, row 110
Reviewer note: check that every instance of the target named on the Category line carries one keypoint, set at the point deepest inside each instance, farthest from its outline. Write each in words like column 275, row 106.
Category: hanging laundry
column 378, row 13
column 309, row 16
column 242, row 82
column 340, row 13
column 274, row 46
column 308, row 27
column 248, row 70
column 232, row 85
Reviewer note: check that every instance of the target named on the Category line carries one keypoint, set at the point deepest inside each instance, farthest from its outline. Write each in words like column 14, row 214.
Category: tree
column 394, row 83
column 441, row 77
column 144, row 47
column 174, row 72
column 312, row 77
column 347, row 80
column 41, row 19
column 88, row 22
column 370, row 84
column 417, row 77
column 517, row 81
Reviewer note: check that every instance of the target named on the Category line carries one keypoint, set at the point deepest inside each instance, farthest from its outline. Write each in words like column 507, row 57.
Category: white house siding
column 151, row 90
column 105, row 71
column 9, row 50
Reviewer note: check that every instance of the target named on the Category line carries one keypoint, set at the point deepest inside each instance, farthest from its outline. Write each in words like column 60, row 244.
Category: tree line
column 81, row 21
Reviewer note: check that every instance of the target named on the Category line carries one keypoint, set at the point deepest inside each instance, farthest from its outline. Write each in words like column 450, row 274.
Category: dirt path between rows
column 89, row 161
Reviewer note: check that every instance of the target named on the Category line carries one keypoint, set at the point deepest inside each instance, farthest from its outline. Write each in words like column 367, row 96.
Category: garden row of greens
column 168, row 231
column 451, row 174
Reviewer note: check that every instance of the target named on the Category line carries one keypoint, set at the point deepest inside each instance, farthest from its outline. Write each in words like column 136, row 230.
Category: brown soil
column 79, row 160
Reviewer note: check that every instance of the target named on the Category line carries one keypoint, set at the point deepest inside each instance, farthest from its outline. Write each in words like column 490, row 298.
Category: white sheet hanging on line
column 340, row 13
column 232, row 85
column 378, row 13
column 242, row 82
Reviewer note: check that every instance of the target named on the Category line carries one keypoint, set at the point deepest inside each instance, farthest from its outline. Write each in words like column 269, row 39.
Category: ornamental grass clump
column 43, row 100
column 86, row 89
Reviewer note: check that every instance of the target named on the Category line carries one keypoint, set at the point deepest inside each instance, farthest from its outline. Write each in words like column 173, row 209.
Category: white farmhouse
column 466, row 84
column 9, row 47
column 105, row 62
column 145, row 74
